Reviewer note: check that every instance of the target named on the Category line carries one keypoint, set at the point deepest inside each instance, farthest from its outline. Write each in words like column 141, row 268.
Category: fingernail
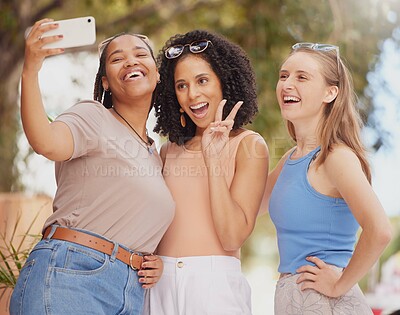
column 212, row 128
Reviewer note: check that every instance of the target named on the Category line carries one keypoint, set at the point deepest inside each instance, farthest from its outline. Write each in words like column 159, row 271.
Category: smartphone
column 76, row 32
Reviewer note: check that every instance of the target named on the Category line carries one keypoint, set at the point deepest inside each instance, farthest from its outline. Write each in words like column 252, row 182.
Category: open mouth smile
column 199, row 110
column 133, row 75
column 290, row 100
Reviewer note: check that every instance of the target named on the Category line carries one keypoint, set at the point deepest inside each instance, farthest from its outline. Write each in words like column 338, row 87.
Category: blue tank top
column 307, row 222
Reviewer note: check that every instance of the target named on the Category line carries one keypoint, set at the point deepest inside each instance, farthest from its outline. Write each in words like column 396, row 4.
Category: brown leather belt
column 132, row 259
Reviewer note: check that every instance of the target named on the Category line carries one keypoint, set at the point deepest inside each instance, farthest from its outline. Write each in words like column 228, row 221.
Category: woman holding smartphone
column 95, row 254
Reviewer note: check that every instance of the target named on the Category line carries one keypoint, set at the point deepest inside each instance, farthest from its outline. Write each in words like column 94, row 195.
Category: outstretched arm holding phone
column 54, row 141
column 103, row 230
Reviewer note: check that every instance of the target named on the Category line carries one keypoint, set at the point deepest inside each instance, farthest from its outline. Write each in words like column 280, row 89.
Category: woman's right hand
column 216, row 136
column 321, row 278
column 54, row 141
column 153, row 267
column 34, row 51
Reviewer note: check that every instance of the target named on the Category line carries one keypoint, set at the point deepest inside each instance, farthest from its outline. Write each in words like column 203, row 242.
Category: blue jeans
column 60, row 277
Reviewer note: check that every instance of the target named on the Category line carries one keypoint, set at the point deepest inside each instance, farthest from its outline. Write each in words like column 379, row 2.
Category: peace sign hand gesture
column 216, row 135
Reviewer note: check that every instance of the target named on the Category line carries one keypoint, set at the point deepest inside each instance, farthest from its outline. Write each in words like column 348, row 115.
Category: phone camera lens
column 89, row 20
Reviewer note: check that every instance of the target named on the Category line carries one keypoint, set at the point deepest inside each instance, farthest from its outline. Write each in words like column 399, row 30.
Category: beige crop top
column 192, row 231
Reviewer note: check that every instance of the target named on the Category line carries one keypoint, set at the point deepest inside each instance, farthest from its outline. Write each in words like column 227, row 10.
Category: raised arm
column 52, row 140
column 235, row 210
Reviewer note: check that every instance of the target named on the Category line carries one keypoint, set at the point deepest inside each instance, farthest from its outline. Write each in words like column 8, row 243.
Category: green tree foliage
column 265, row 29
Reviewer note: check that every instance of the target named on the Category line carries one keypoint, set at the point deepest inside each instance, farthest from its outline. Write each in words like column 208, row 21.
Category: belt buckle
column 131, row 261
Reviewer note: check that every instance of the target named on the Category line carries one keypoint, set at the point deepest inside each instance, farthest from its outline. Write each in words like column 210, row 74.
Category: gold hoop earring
column 183, row 119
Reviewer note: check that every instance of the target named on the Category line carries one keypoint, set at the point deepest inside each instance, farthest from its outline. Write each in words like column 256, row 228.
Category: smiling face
column 130, row 67
column 302, row 91
column 198, row 90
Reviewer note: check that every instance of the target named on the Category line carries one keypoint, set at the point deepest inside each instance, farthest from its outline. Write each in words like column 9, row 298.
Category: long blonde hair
column 341, row 122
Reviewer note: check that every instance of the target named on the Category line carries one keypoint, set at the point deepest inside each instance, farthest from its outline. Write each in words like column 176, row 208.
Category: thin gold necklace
column 147, row 145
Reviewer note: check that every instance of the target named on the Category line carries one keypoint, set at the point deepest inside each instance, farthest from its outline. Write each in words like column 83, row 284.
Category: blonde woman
column 320, row 193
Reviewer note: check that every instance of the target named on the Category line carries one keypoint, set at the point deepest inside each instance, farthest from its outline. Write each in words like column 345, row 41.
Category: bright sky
column 385, row 90
column 60, row 92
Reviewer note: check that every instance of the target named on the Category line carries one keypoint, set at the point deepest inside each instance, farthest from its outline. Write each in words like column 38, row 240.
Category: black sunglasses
column 195, row 47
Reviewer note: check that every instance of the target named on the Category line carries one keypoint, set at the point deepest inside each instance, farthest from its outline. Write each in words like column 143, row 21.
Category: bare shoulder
column 278, row 167
column 285, row 157
column 342, row 161
column 253, row 145
column 288, row 152
column 341, row 155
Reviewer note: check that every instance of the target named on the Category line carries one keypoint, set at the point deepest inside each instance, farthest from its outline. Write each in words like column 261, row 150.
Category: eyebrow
column 117, row 51
column 297, row 72
column 196, row 77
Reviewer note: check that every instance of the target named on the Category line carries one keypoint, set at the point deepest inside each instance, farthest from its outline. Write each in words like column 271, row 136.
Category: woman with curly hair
column 215, row 169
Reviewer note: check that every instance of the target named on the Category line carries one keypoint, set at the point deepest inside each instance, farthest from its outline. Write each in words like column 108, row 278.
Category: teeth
column 133, row 74
column 291, row 98
column 200, row 105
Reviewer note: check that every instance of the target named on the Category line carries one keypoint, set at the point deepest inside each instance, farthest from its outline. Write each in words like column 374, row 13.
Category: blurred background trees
column 265, row 29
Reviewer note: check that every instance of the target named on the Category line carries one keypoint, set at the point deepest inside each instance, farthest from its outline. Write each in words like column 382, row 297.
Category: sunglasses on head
column 195, row 47
column 319, row 47
column 104, row 43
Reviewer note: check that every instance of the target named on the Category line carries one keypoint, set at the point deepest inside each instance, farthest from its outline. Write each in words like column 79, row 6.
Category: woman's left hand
column 152, row 268
column 321, row 277
column 216, row 136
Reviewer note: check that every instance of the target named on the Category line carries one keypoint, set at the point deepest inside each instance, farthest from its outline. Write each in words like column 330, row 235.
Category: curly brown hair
column 231, row 65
